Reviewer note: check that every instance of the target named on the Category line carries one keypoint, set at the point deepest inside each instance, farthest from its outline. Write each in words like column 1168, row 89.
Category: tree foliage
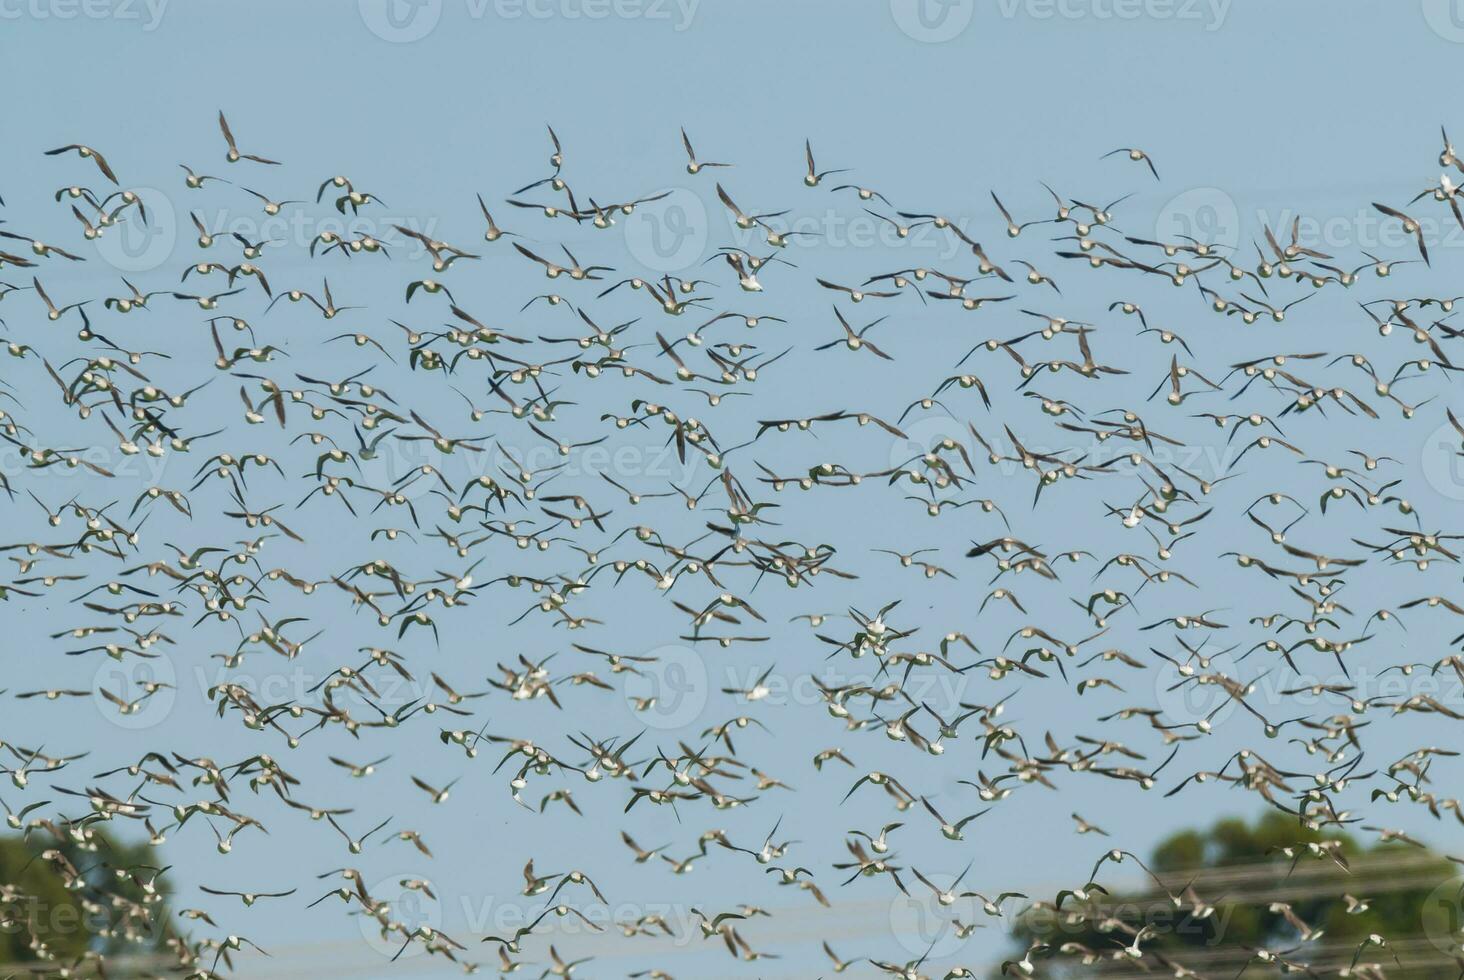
column 62, row 899
column 1269, row 890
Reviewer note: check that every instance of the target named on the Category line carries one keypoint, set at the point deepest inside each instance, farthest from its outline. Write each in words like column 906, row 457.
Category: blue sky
column 1253, row 113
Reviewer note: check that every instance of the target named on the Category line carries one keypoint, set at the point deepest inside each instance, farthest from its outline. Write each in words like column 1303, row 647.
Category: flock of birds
column 796, row 546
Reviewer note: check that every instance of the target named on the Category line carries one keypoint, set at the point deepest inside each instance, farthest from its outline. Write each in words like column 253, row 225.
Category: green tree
column 61, row 899
column 1237, row 887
